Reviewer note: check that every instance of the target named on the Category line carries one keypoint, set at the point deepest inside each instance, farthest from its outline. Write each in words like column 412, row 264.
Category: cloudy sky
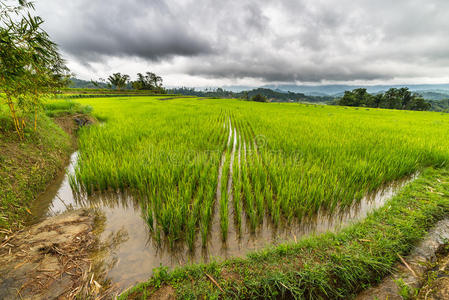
column 254, row 42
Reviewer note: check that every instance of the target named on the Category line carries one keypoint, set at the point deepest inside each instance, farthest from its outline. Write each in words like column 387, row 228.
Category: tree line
column 268, row 95
column 148, row 81
column 394, row 98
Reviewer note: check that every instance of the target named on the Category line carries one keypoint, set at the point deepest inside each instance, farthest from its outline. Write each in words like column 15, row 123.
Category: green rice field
column 190, row 160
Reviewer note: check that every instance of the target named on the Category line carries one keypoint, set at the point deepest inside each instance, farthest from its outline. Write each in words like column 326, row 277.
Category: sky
column 254, row 42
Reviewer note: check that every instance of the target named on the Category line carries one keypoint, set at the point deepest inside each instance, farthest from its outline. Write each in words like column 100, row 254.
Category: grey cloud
column 93, row 30
column 273, row 41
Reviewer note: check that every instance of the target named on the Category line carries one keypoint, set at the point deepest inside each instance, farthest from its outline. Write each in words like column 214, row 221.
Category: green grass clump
column 58, row 108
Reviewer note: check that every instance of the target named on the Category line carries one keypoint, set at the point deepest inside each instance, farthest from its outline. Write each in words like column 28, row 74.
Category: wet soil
column 51, row 260
column 71, row 123
column 436, row 285
column 425, row 262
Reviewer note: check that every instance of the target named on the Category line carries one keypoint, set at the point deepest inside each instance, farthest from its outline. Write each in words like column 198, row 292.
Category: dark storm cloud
column 282, row 41
column 93, row 30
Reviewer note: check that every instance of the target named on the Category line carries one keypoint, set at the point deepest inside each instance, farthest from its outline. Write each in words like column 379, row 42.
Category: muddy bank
column 71, row 123
column 51, row 260
column 436, row 285
column 414, row 269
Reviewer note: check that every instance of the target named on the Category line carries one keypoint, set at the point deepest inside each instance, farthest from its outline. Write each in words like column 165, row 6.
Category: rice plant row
column 187, row 160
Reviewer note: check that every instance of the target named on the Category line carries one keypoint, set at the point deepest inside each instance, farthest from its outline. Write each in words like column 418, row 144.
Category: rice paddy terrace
column 190, row 179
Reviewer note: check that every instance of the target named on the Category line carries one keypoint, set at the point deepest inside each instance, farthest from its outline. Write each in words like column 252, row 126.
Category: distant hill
column 84, row 84
column 440, row 105
column 336, row 90
column 434, row 95
column 272, row 95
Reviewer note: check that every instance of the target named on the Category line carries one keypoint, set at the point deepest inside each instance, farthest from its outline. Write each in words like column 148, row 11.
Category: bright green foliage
column 393, row 98
column 294, row 159
column 30, row 64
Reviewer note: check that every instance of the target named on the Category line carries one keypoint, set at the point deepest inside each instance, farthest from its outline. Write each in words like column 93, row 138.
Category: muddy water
column 138, row 254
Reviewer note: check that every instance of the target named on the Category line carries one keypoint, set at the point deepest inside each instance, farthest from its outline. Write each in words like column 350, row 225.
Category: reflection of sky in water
column 138, row 254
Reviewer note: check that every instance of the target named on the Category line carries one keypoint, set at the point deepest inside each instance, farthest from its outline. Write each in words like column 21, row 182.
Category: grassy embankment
column 27, row 166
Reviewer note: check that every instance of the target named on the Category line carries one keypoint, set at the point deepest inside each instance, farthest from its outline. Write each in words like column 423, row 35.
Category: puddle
column 138, row 254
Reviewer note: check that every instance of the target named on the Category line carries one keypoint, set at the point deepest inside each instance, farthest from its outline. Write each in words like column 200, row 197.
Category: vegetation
column 76, row 83
column 149, row 81
column 144, row 83
column 295, row 159
column 26, row 167
column 30, row 65
column 118, row 80
column 274, row 96
column 329, row 266
column 259, row 98
column 393, row 99
column 61, row 108
column 441, row 105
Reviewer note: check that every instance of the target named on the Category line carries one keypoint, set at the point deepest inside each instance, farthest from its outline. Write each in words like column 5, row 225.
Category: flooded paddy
column 136, row 252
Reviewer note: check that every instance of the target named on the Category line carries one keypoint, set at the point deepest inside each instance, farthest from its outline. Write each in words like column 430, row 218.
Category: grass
column 295, row 159
column 67, row 107
column 328, row 266
column 26, row 167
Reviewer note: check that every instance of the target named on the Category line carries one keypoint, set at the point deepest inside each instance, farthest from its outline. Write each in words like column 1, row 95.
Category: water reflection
column 133, row 253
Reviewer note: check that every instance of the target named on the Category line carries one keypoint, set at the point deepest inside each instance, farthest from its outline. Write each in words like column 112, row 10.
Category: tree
column 348, row 99
column 30, row 65
column 118, row 80
column 393, row 99
column 149, row 81
column 259, row 98
column 418, row 103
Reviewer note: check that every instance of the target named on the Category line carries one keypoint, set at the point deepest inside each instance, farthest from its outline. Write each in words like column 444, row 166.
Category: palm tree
column 118, row 80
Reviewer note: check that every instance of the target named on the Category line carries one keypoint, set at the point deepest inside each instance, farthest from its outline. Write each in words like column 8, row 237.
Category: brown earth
column 436, row 285
column 51, row 260
column 71, row 123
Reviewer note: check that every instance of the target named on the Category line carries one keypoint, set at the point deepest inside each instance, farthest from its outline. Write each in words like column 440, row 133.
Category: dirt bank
column 71, row 123
column 51, row 260
column 436, row 285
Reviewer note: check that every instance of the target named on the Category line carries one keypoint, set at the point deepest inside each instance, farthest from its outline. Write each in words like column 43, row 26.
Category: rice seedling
column 188, row 159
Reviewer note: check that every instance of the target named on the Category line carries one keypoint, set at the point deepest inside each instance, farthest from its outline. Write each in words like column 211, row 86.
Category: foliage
column 259, row 98
column 393, row 99
column 118, row 80
column 92, row 84
column 275, row 96
column 441, row 105
column 149, row 81
column 27, row 168
column 30, row 64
